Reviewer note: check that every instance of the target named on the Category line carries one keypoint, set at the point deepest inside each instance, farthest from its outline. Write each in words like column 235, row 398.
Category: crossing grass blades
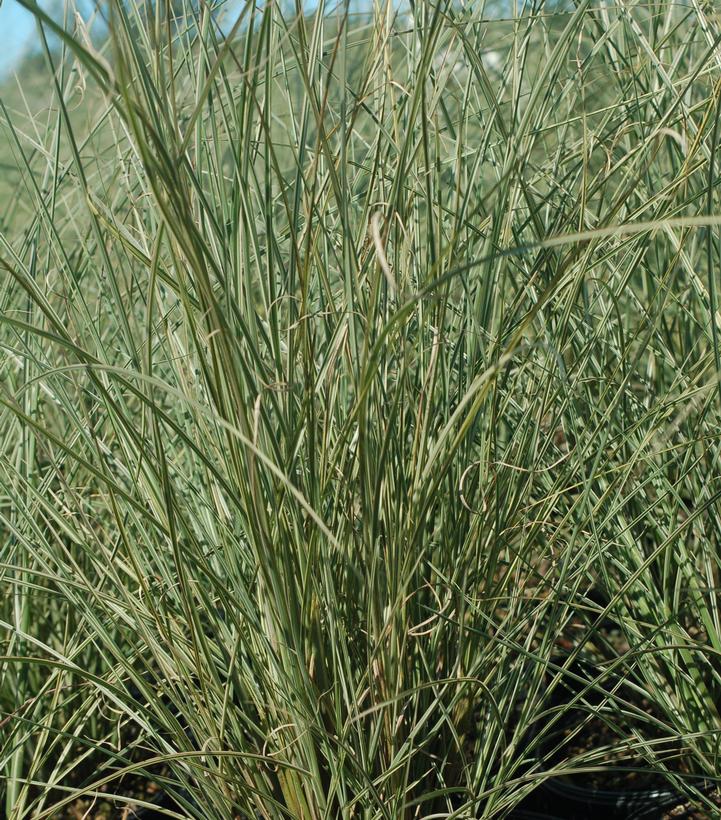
column 346, row 350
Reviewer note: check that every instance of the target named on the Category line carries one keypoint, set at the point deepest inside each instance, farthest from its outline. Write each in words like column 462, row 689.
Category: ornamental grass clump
column 350, row 357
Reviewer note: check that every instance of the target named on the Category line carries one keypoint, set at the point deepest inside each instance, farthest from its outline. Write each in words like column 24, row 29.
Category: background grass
column 359, row 391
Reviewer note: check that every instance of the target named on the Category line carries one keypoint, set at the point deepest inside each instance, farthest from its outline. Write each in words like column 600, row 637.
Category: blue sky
column 16, row 31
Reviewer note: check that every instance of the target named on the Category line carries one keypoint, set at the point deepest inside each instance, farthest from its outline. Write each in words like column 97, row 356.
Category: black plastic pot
column 574, row 796
column 575, row 801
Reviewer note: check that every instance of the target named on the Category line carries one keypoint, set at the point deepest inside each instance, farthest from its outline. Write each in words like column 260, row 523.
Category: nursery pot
column 584, row 795
column 617, row 787
column 574, row 800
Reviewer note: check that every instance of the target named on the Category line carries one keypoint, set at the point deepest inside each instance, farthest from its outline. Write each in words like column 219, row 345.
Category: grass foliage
column 359, row 392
